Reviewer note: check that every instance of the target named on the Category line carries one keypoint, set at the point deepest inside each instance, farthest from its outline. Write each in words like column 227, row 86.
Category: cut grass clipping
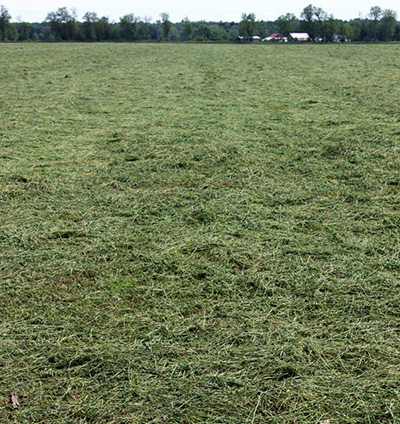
column 199, row 234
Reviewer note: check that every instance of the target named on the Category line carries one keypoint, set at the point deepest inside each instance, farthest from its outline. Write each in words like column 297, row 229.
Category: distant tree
column 372, row 26
column 106, row 30
column 286, row 23
column 317, row 23
column 23, row 31
column 203, row 32
column 187, row 29
column 266, row 28
column 328, row 28
column 388, row 24
column 380, row 25
column 89, row 26
column 128, row 24
column 174, row 34
column 209, row 32
column 234, row 32
column 155, row 31
column 143, row 28
column 308, row 23
column 63, row 24
column 375, row 13
column 248, row 26
column 343, row 31
column 112, row 31
column 308, row 13
column 166, row 25
column 5, row 18
column 102, row 28
column 396, row 35
column 320, row 14
column 45, row 33
column 354, row 33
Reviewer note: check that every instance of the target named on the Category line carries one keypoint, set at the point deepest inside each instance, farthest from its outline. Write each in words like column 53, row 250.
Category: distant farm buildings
column 299, row 36
column 275, row 37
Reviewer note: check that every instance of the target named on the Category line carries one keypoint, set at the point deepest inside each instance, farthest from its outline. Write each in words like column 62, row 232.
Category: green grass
column 199, row 234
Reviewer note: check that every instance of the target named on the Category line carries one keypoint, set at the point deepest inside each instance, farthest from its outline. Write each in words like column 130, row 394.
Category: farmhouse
column 299, row 36
column 275, row 37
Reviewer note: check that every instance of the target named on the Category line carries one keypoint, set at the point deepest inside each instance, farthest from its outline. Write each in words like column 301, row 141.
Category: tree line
column 64, row 25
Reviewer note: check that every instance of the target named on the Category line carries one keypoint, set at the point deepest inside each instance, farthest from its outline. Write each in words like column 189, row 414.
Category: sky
column 208, row 10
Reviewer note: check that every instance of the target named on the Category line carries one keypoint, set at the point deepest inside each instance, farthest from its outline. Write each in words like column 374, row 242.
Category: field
column 199, row 233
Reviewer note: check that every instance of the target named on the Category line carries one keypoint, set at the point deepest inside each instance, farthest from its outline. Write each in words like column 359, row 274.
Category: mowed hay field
column 199, row 233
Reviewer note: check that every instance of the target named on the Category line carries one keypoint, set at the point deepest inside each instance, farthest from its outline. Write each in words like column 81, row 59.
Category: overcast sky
column 209, row 10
